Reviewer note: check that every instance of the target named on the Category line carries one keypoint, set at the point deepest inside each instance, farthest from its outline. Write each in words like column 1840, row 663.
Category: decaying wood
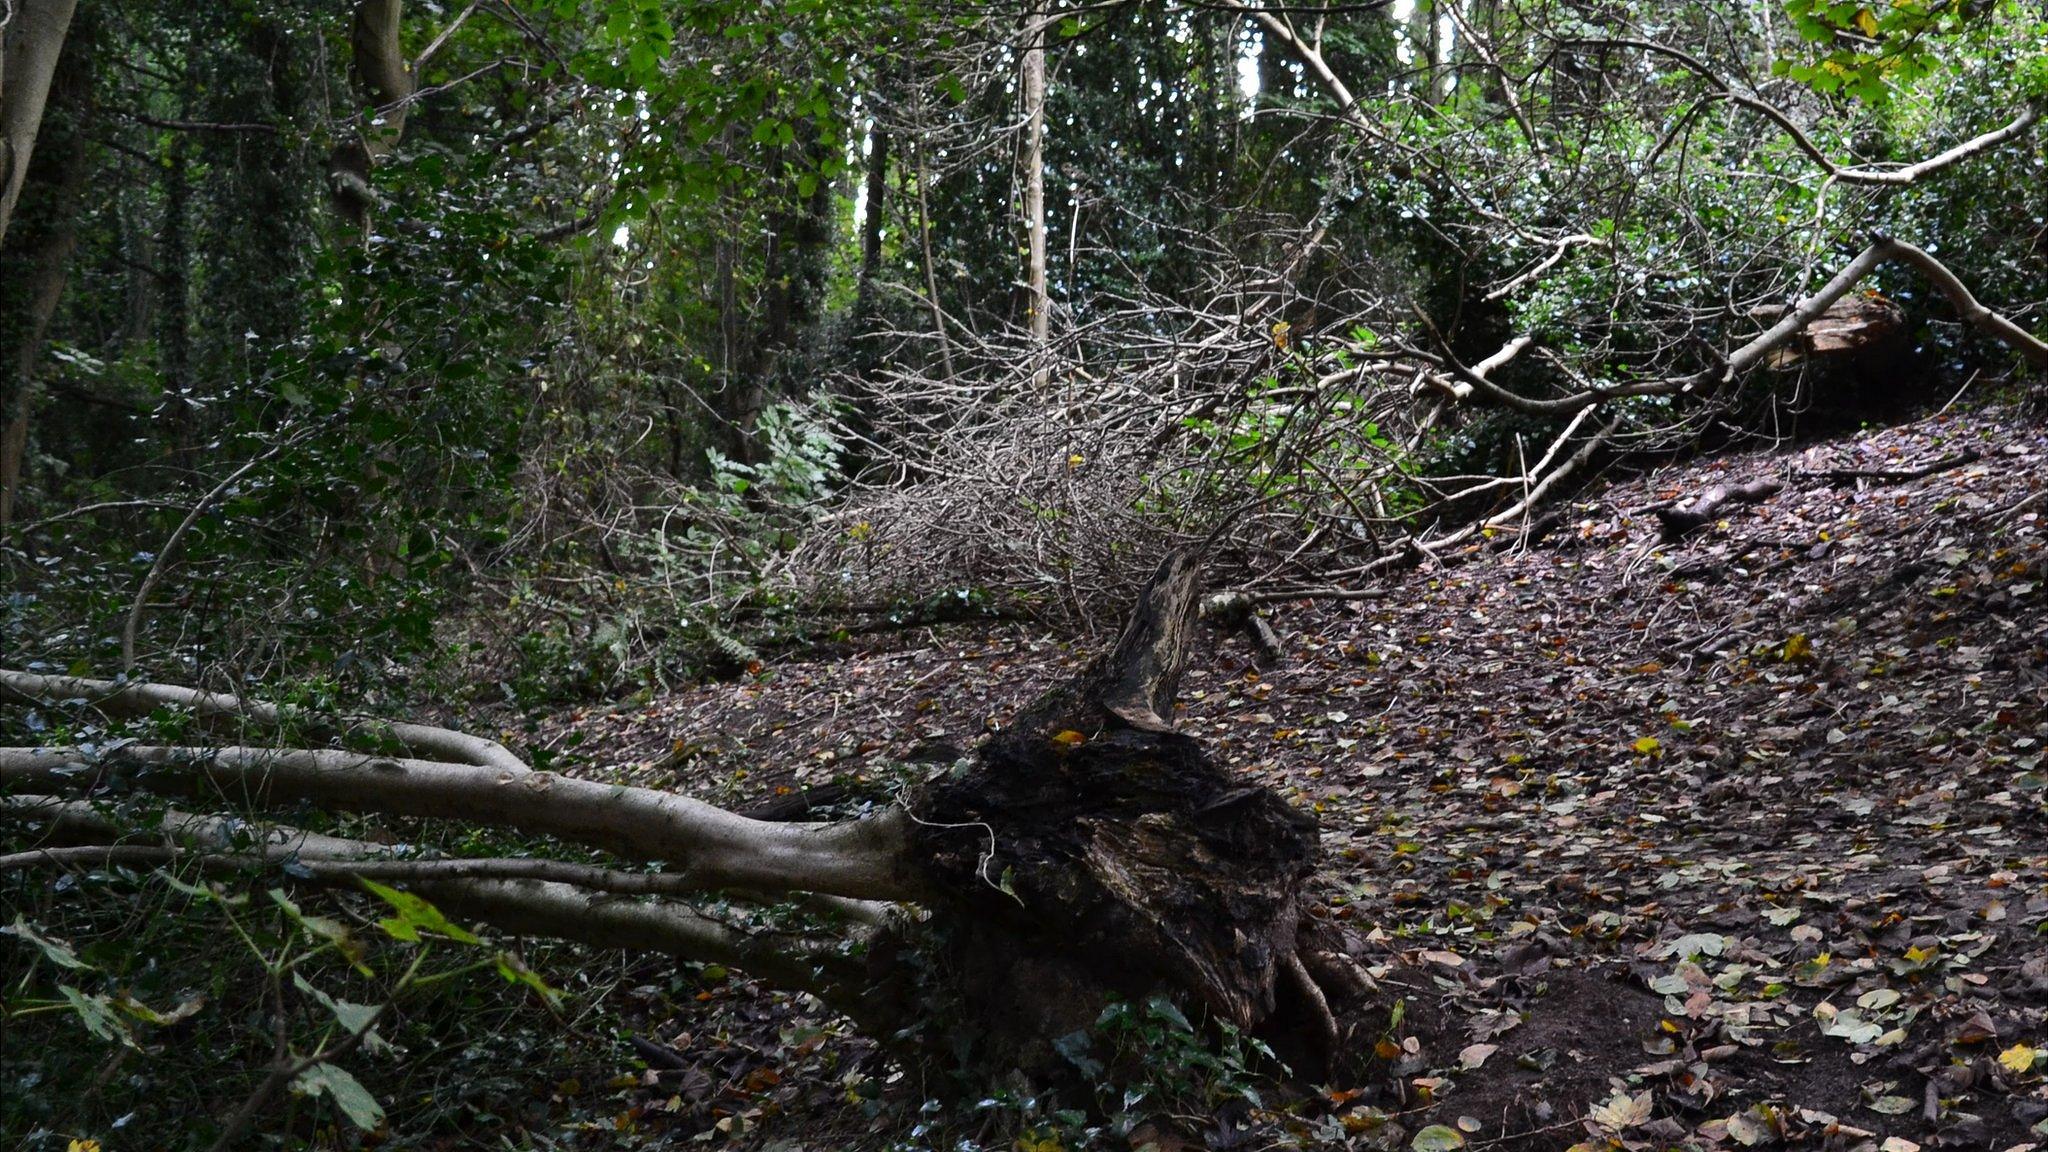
column 1680, row 521
column 1115, row 852
column 1855, row 322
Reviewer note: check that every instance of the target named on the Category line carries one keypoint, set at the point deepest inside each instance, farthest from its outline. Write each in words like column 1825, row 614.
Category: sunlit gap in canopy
column 856, row 161
column 1249, row 47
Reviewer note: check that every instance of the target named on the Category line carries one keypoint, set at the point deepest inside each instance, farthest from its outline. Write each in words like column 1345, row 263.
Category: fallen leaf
column 1475, row 1055
column 1437, row 1138
column 2018, row 1059
column 1621, row 1111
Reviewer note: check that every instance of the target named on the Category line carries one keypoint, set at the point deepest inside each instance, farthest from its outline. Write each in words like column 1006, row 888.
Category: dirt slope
column 1732, row 842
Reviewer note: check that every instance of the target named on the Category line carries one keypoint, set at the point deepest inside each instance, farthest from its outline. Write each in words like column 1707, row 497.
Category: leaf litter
column 1732, row 843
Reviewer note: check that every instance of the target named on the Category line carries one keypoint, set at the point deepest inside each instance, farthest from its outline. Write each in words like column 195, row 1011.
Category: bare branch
column 1880, row 251
column 139, row 698
column 1854, row 174
column 717, row 849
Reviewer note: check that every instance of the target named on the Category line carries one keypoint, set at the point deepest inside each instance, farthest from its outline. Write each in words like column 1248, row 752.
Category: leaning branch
column 1884, row 249
column 131, row 698
column 523, row 904
column 1846, row 174
column 712, row 847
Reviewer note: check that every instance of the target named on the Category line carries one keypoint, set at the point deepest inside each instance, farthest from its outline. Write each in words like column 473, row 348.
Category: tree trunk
column 174, row 314
column 384, row 85
column 34, row 267
column 1094, row 853
column 1037, row 305
column 872, row 223
column 1091, row 853
column 29, row 48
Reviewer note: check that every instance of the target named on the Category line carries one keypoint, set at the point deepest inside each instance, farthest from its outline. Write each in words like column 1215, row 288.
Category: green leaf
column 324, row 928
column 59, row 953
column 357, row 1018
column 97, row 1016
column 1073, row 1047
column 1164, row 1009
column 515, row 970
column 415, row 916
column 1437, row 1138
column 348, row 1093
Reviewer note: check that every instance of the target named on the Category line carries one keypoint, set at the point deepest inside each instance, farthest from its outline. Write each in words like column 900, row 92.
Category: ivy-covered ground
column 1734, row 842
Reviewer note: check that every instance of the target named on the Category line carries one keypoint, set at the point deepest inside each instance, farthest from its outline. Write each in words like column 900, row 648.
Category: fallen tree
column 1090, row 853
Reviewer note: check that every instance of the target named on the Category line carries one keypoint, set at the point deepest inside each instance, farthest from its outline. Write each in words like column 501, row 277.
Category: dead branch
column 710, row 846
column 1683, row 520
column 132, row 698
column 2020, row 124
column 1892, row 475
column 559, row 899
column 1881, row 250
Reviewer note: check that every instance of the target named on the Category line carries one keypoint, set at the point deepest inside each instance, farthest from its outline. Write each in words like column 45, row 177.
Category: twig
column 1893, row 475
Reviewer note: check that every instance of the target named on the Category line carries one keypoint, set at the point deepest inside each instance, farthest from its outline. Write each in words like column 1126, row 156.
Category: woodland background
column 517, row 365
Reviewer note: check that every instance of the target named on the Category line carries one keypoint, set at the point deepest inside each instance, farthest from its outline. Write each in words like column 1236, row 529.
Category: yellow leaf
column 1076, row 460
column 1069, row 737
column 1797, row 648
column 1280, row 330
column 1648, row 745
column 2018, row 1059
column 83, row 1146
column 1866, row 21
column 1622, row 1111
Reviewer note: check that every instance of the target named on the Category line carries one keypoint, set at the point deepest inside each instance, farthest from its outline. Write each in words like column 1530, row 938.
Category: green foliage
column 1176, row 1068
column 201, row 1037
column 1871, row 51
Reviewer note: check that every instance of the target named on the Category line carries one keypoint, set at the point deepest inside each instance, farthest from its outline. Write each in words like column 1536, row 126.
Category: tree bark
column 1037, row 306
column 1679, row 522
column 873, row 222
column 36, row 265
column 384, row 85
column 30, row 45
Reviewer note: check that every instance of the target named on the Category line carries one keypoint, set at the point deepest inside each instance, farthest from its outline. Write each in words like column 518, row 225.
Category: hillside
column 1726, row 841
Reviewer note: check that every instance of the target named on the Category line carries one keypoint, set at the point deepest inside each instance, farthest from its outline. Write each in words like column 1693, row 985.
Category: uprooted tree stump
column 1089, row 852
column 1093, row 852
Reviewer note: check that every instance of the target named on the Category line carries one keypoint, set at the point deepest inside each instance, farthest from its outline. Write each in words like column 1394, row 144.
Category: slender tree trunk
column 1425, row 39
column 872, row 223
column 1037, row 306
column 174, row 316
column 384, row 85
column 29, row 49
column 35, row 264
column 931, row 273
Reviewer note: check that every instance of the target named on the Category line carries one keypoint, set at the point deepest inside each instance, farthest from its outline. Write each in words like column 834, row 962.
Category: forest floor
column 1738, row 841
